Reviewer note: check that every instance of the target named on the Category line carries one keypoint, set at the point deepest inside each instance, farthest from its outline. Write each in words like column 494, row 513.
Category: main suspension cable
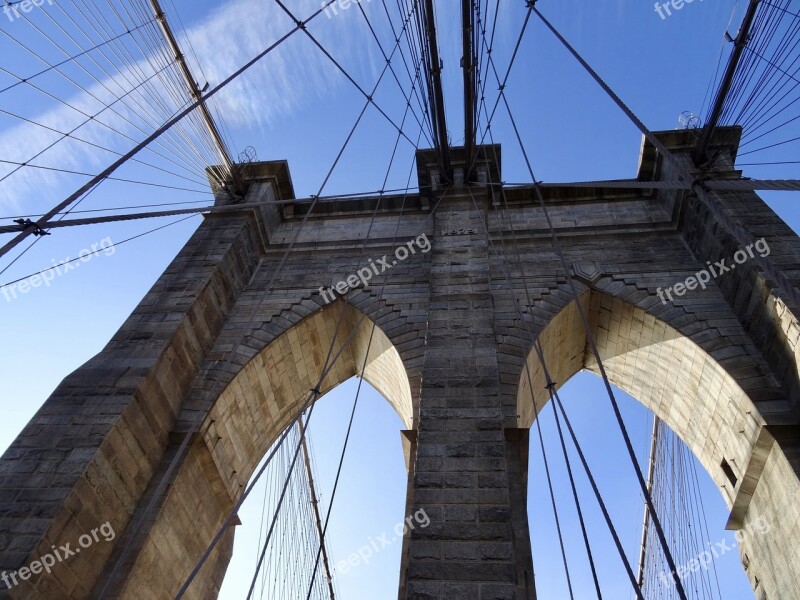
column 160, row 131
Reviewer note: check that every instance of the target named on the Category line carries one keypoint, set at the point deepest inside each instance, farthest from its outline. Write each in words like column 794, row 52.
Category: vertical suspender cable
column 315, row 505
column 646, row 519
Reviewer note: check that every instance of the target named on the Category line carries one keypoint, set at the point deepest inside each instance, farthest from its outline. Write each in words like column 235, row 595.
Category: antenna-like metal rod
column 699, row 156
column 646, row 521
column 315, row 504
column 197, row 95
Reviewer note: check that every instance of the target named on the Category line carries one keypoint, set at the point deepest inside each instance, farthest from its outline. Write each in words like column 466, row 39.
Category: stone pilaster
column 463, row 466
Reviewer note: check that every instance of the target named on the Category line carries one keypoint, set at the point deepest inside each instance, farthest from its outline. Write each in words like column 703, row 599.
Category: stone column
column 464, row 466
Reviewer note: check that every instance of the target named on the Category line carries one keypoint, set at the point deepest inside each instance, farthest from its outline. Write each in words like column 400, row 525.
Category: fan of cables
column 765, row 95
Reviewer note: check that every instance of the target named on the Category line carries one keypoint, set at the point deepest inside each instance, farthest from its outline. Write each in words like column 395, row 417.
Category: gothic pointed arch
column 258, row 402
column 699, row 395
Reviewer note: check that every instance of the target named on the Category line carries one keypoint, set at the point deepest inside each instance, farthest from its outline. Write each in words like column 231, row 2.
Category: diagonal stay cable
column 576, row 500
column 302, row 25
column 741, row 235
column 120, row 179
column 598, row 496
column 41, row 223
column 596, row 352
column 111, row 40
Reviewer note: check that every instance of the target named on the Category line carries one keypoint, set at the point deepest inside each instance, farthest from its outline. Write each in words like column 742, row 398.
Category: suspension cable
column 311, row 398
column 593, row 345
column 156, row 134
column 741, row 235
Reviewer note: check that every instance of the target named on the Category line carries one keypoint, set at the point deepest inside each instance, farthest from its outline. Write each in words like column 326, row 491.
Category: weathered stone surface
column 228, row 338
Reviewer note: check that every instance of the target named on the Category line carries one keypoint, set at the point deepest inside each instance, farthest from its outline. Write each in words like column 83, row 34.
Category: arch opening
column 275, row 383
column 691, row 392
column 691, row 509
column 262, row 399
column 362, row 511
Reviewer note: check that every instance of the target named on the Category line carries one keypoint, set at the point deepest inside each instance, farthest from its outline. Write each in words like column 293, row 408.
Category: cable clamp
column 27, row 224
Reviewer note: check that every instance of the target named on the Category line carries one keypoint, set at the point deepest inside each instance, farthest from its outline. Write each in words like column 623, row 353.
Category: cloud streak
column 286, row 80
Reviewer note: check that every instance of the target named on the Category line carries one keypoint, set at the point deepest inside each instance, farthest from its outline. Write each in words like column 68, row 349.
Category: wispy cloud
column 284, row 81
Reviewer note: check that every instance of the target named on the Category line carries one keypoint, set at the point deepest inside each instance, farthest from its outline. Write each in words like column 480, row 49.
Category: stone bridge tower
column 214, row 341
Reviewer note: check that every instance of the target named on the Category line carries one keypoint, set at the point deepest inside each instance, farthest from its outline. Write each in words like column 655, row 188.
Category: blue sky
column 295, row 105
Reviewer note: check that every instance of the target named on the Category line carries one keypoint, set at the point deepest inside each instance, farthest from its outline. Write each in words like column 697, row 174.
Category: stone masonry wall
column 236, row 334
